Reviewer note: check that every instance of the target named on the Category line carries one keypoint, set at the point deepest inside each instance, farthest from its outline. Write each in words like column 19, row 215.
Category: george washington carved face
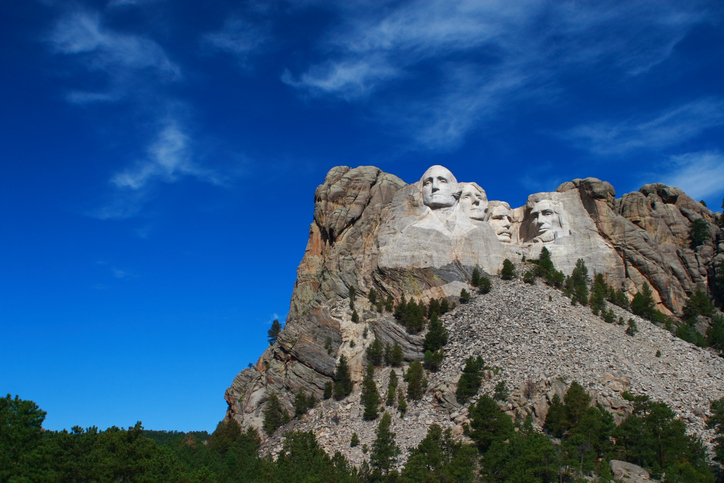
column 439, row 188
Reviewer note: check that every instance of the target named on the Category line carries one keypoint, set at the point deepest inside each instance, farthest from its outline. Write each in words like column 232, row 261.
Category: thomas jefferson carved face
column 473, row 201
column 547, row 220
column 439, row 188
column 501, row 221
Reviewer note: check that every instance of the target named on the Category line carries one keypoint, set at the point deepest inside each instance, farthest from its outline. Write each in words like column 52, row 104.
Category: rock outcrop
column 423, row 240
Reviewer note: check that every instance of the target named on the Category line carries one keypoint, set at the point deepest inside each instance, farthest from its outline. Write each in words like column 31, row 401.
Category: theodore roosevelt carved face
column 439, row 188
column 501, row 220
column 473, row 201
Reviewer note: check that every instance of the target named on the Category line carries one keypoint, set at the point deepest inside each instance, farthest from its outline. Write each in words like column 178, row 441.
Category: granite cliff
column 423, row 240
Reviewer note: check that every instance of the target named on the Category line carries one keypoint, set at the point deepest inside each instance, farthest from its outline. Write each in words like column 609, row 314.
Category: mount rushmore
column 371, row 230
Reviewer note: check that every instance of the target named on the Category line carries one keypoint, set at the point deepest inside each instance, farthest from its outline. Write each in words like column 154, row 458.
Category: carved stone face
column 501, row 222
column 547, row 220
column 439, row 187
column 473, row 201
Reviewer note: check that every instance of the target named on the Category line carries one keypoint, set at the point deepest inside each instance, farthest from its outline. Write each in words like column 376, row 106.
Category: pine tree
column 698, row 232
column 372, row 296
column 414, row 377
column 328, row 389
column 343, row 384
column 355, row 440
column 643, row 303
column 556, row 417
column 384, row 449
column 475, row 281
column 579, row 283
column 370, row 394
column 488, row 423
column 301, row 403
column 375, row 353
column 484, row 285
column 401, row 403
column 464, row 296
column 273, row 333
column 508, row 270
column 273, row 414
column 437, row 336
column 397, row 355
column 470, row 380
column 392, row 388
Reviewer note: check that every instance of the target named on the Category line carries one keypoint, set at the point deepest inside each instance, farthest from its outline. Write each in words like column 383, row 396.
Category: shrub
column 464, row 296
column 508, row 270
column 485, row 285
column 355, row 440
column 631, row 329
column 529, row 278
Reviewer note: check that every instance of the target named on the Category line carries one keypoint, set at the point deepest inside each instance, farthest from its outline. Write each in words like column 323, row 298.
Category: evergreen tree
column 437, row 336
column 392, row 388
column 301, row 403
column 384, row 449
column 698, row 304
column 273, row 333
column 470, row 380
column 328, row 388
column 578, row 283
column 433, row 308
column 485, row 285
column 529, row 277
column 397, row 355
column 508, row 270
column 556, row 417
column 475, row 281
column 400, row 311
column 389, row 303
column 643, row 303
column 370, row 394
column 488, row 423
column 343, row 384
column 464, row 296
column 355, row 316
column 354, row 441
column 501, row 392
column 433, row 360
column 372, row 296
column 415, row 377
column 401, row 403
column 444, row 306
column 598, row 294
column 716, row 422
column 715, row 334
column 274, row 415
column 439, row 458
column 698, row 232
column 375, row 353
column 414, row 317
column 576, row 401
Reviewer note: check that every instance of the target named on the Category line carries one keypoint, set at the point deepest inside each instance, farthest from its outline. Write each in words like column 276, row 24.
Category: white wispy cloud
column 699, row 174
column 239, row 37
column 661, row 130
column 122, row 57
column 511, row 52
column 169, row 159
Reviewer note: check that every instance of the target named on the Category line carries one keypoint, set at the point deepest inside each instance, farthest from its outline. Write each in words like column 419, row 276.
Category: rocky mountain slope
column 371, row 230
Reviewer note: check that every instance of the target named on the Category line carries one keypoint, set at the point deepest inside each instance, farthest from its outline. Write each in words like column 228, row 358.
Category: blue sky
column 159, row 159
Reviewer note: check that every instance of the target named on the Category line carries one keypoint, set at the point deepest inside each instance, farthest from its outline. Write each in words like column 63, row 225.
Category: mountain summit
column 377, row 243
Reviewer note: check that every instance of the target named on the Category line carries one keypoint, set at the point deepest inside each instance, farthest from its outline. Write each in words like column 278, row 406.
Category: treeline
column 579, row 440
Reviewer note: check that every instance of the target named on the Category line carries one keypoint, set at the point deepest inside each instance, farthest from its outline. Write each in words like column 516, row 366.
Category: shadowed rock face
column 371, row 230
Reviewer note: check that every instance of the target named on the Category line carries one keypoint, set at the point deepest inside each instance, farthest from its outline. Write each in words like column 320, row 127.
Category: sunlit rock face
column 423, row 240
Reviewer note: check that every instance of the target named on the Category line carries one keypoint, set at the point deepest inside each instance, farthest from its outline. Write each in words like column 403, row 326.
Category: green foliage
column 643, row 303
column 470, row 380
column 597, row 302
column 355, row 317
column 719, row 278
column 396, row 357
column 301, row 403
column 389, row 303
column 698, row 304
column 302, row 460
column 328, row 345
column 20, row 435
column 501, row 392
column 577, row 283
column 444, row 306
column 715, row 333
column 328, row 389
column 547, row 271
column 508, row 270
column 375, row 353
column 437, row 336
column 529, row 277
column 384, row 449
column 352, row 294
column 698, row 232
column 488, row 423
column 687, row 331
column 632, row 329
column 556, row 422
column 401, row 403
column 439, row 458
column 465, row 296
column 273, row 333
column 652, row 437
column 608, row 316
column 343, row 384
column 372, row 296
column 274, row 415
column 392, row 388
column 370, row 394
column 716, row 422
column 433, row 360
column 525, row 456
column 415, row 378
column 485, row 285
column 475, row 280
column 354, row 441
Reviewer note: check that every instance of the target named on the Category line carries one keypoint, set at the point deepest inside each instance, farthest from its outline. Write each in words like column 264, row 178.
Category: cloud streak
column 699, row 174
column 238, row 37
column 121, row 57
column 662, row 130
column 514, row 51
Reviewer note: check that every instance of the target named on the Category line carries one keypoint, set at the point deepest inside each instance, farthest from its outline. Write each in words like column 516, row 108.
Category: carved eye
column 442, row 180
